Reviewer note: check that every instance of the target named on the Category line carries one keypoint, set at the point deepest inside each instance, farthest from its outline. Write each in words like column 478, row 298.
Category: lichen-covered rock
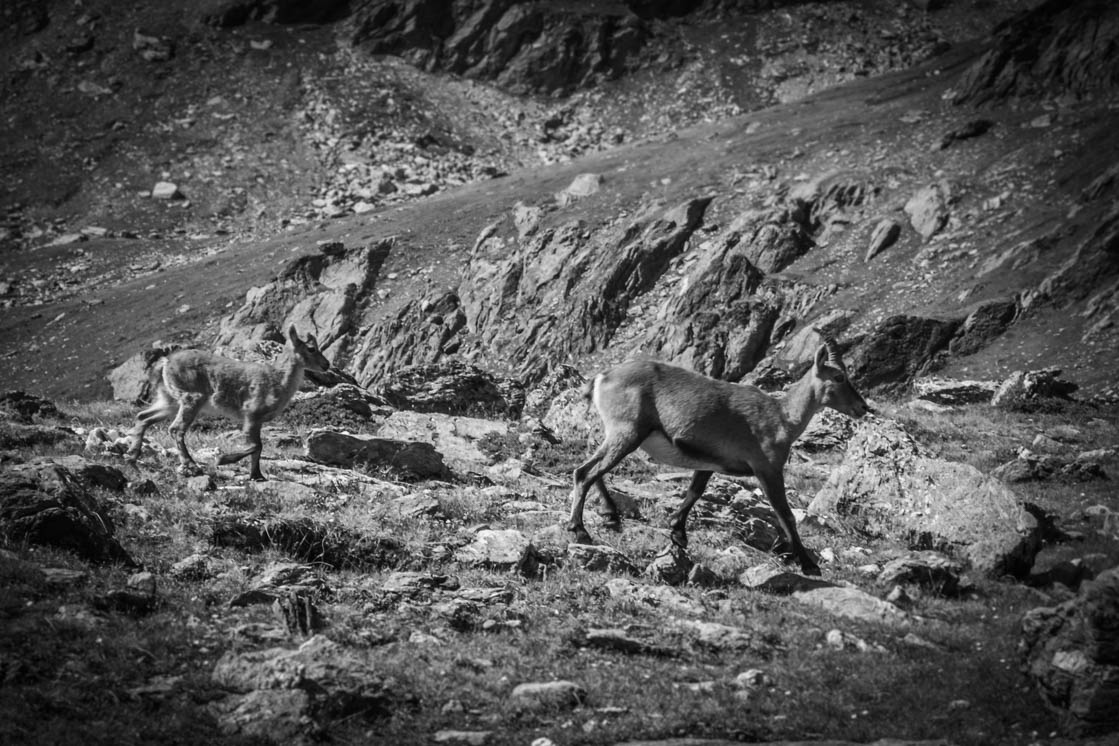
column 1071, row 652
column 889, row 486
column 928, row 209
column 457, row 439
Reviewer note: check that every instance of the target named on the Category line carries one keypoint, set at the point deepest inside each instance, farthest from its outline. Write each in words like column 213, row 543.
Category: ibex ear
column 292, row 335
column 821, row 359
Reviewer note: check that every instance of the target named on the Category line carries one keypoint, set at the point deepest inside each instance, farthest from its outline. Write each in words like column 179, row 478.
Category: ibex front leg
column 679, row 519
column 615, row 448
column 254, row 447
column 774, row 488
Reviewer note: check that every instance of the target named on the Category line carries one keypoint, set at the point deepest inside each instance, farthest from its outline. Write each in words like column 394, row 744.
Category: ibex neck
column 800, row 406
column 290, row 368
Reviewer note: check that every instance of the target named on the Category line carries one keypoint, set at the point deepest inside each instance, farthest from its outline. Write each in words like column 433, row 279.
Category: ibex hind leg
column 159, row 411
column 611, row 521
column 189, row 406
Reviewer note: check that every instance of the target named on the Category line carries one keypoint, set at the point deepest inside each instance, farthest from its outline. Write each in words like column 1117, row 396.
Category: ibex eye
column 839, row 379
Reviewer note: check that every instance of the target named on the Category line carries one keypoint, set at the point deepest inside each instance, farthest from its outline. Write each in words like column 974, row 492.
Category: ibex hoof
column 612, row 523
column 812, row 569
column 189, row 470
column 680, row 539
column 581, row 535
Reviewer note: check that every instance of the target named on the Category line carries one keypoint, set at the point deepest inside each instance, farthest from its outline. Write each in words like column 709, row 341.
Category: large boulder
column 44, row 503
column 135, row 380
column 1071, row 652
column 889, row 486
column 412, row 459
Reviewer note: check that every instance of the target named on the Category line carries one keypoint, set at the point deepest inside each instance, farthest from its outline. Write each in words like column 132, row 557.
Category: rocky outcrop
column 44, row 503
column 135, row 380
column 229, row 13
column 566, row 290
column 522, row 47
column 900, row 348
column 422, row 332
column 452, row 387
column 889, row 486
column 318, row 293
column 1057, row 48
column 289, row 695
column 1071, row 652
column 982, row 325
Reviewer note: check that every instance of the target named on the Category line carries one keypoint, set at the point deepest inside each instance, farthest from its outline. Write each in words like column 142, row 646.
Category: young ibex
column 684, row 419
column 194, row 381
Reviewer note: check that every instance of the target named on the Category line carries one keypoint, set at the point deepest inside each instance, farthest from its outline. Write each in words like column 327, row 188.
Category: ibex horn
column 834, row 357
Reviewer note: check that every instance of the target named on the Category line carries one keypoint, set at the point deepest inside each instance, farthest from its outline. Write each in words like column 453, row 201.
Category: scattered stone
column 884, row 236
column 194, row 567
column 781, row 582
column 851, row 603
column 718, row 637
column 414, row 582
column 19, row 406
column 928, row 209
column 507, row 549
column 166, row 190
column 1069, row 652
column 601, row 558
column 468, row 737
column 974, row 128
column 751, row 678
column 837, row 639
column 1027, row 391
column 953, row 393
column 932, row 571
column 549, row 695
column 201, row 484
column 622, row 641
column 654, row 597
column 584, row 185
column 671, row 565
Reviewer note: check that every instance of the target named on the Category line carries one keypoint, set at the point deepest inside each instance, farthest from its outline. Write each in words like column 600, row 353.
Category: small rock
column 751, row 678
column 166, row 190
column 549, row 694
column 468, row 737
column 883, row 237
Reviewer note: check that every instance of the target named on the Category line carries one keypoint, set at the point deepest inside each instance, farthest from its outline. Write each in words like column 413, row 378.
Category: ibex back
column 684, row 419
column 194, row 381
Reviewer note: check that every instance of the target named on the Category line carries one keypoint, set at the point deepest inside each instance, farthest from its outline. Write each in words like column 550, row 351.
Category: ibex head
column 834, row 387
column 308, row 350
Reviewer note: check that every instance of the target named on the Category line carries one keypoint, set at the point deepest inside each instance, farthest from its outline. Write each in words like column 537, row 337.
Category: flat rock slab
column 852, row 603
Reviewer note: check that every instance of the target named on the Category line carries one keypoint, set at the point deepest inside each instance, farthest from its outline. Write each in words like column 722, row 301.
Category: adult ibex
column 688, row 420
column 194, row 381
